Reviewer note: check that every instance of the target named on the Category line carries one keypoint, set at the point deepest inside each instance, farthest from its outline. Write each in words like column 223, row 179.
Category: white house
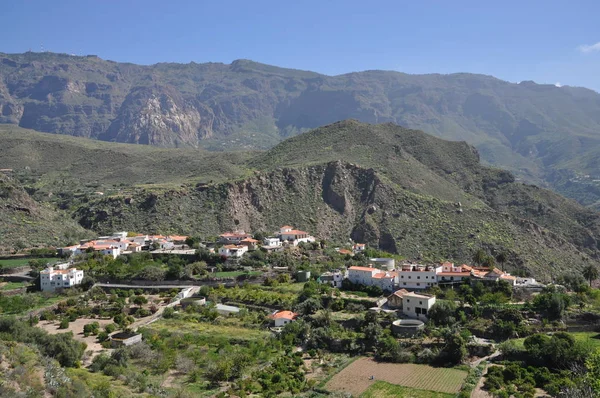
column 271, row 242
column 119, row 235
column 417, row 276
column 52, row 279
column 233, row 250
column 370, row 276
column 333, row 279
column 362, row 275
column 453, row 274
column 282, row 318
column 295, row 236
column 359, row 247
column 417, row 305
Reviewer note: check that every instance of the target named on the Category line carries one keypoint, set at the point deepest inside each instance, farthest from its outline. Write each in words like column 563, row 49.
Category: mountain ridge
column 545, row 134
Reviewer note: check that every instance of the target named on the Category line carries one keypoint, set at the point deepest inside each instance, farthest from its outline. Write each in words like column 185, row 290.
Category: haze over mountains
column 546, row 134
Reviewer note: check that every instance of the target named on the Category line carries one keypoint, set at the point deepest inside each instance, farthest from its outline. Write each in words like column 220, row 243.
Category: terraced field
column 356, row 378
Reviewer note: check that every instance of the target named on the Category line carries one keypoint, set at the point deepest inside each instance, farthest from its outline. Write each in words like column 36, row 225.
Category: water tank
column 407, row 327
column 387, row 264
column 302, row 276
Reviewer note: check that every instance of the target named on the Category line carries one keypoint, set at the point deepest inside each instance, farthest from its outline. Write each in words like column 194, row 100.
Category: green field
column 22, row 261
column 592, row 338
column 13, row 285
column 210, row 333
column 381, row 389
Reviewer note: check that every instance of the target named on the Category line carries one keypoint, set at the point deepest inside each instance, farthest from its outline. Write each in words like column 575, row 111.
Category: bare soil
column 356, row 377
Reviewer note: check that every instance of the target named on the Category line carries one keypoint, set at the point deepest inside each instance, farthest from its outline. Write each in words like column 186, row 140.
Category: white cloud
column 589, row 48
column 557, row 84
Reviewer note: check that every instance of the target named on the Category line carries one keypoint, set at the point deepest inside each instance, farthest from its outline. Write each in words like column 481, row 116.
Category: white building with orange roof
column 282, row 318
column 417, row 305
column 370, row 276
column 359, row 247
column 294, row 236
column 252, row 244
column 52, row 279
column 233, row 237
column 233, row 250
column 453, row 274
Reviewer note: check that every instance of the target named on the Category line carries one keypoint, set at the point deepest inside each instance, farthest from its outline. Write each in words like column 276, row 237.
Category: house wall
column 416, row 279
column 417, row 307
column 282, row 322
column 361, row 277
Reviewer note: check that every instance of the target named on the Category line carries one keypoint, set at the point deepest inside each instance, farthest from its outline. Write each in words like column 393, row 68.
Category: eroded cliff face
column 335, row 202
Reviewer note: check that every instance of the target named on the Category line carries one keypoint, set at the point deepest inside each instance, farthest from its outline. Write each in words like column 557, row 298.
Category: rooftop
column 284, row 315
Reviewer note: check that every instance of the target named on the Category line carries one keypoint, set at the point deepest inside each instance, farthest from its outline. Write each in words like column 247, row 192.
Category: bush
column 169, row 312
column 64, row 323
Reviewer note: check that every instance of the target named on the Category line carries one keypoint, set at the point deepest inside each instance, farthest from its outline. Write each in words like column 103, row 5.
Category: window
column 409, row 277
column 426, row 277
column 420, row 303
column 402, row 276
column 418, row 277
column 408, row 300
column 404, row 283
column 418, row 284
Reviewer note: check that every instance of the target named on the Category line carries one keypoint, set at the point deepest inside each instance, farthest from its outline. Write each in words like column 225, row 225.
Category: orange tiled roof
column 381, row 275
column 284, row 315
column 356, row 268
column 344, row 251
column 295, row 232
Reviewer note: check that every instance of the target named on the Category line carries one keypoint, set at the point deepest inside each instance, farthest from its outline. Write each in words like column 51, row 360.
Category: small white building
column 417, row 305
column 233, row 250
column 359, row 247
column 52, row 279
column 119, row 235
column 226, row 309
column 294, row 236
column 370, row 276
column 272, row 242
column 333, row 279
column 233, row 237
column 282, row 318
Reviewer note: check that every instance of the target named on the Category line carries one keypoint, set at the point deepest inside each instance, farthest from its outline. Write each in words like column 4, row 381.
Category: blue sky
column 544, row 41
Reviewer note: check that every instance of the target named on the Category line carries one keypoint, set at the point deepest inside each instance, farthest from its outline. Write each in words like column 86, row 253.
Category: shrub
column 64, row 323
column 169, row 312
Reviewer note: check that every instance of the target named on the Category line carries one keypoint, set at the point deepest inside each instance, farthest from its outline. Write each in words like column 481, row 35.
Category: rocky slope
column 25, row 223
column 402, row 190
column 542, row 132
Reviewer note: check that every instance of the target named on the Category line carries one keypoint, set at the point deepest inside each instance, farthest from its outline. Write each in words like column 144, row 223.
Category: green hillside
column 544, row 134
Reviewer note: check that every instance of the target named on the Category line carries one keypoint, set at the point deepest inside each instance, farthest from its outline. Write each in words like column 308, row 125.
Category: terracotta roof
column 344, row 251
column 359, row 244
column 400, row 293
column 177, row 237
column 250, row 240
column 236, row 234
column 287, row 227
column 382, row 275
column 284, row 315
column 295, row 232
column 368, row 269
column 419, row 295
column 509, row 277
column 231, row 247
column 448, row 263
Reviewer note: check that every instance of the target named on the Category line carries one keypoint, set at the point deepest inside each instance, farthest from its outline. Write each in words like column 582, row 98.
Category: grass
column 234, row 274
column 13, row 285
column 592, row 338
column 381, row 389
column 23, row 261
column 210, row 332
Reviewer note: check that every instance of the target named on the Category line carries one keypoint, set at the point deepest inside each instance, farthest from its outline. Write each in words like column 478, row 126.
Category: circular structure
column 384, row 263
column 407, row 327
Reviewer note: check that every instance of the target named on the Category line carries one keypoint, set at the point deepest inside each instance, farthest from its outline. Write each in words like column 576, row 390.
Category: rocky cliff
column 545, row 134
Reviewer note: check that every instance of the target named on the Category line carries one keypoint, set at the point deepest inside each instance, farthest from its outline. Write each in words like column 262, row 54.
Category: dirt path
column 478, row 391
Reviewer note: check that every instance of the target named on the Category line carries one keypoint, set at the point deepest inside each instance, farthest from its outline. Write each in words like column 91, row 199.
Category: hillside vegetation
column 400, row 190
column 543, row 133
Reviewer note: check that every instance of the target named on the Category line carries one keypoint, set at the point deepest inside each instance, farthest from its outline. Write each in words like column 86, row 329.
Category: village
column 342, row 302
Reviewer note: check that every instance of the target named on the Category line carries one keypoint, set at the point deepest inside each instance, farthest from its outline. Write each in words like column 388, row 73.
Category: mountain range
column 394, row 188
column 544, row 134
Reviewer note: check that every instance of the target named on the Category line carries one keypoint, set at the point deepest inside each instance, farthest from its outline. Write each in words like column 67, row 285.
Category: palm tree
column 479, row 256
column 501, row 258
column 590, row 272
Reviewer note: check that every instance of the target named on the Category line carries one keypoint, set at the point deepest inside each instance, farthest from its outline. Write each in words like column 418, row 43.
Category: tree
column 479, row 256
column 590, row 272
column 455, row 349
column 489, row 262
column 64, row 324
column 140, row 300
column 442, row 313
column 501, row 258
